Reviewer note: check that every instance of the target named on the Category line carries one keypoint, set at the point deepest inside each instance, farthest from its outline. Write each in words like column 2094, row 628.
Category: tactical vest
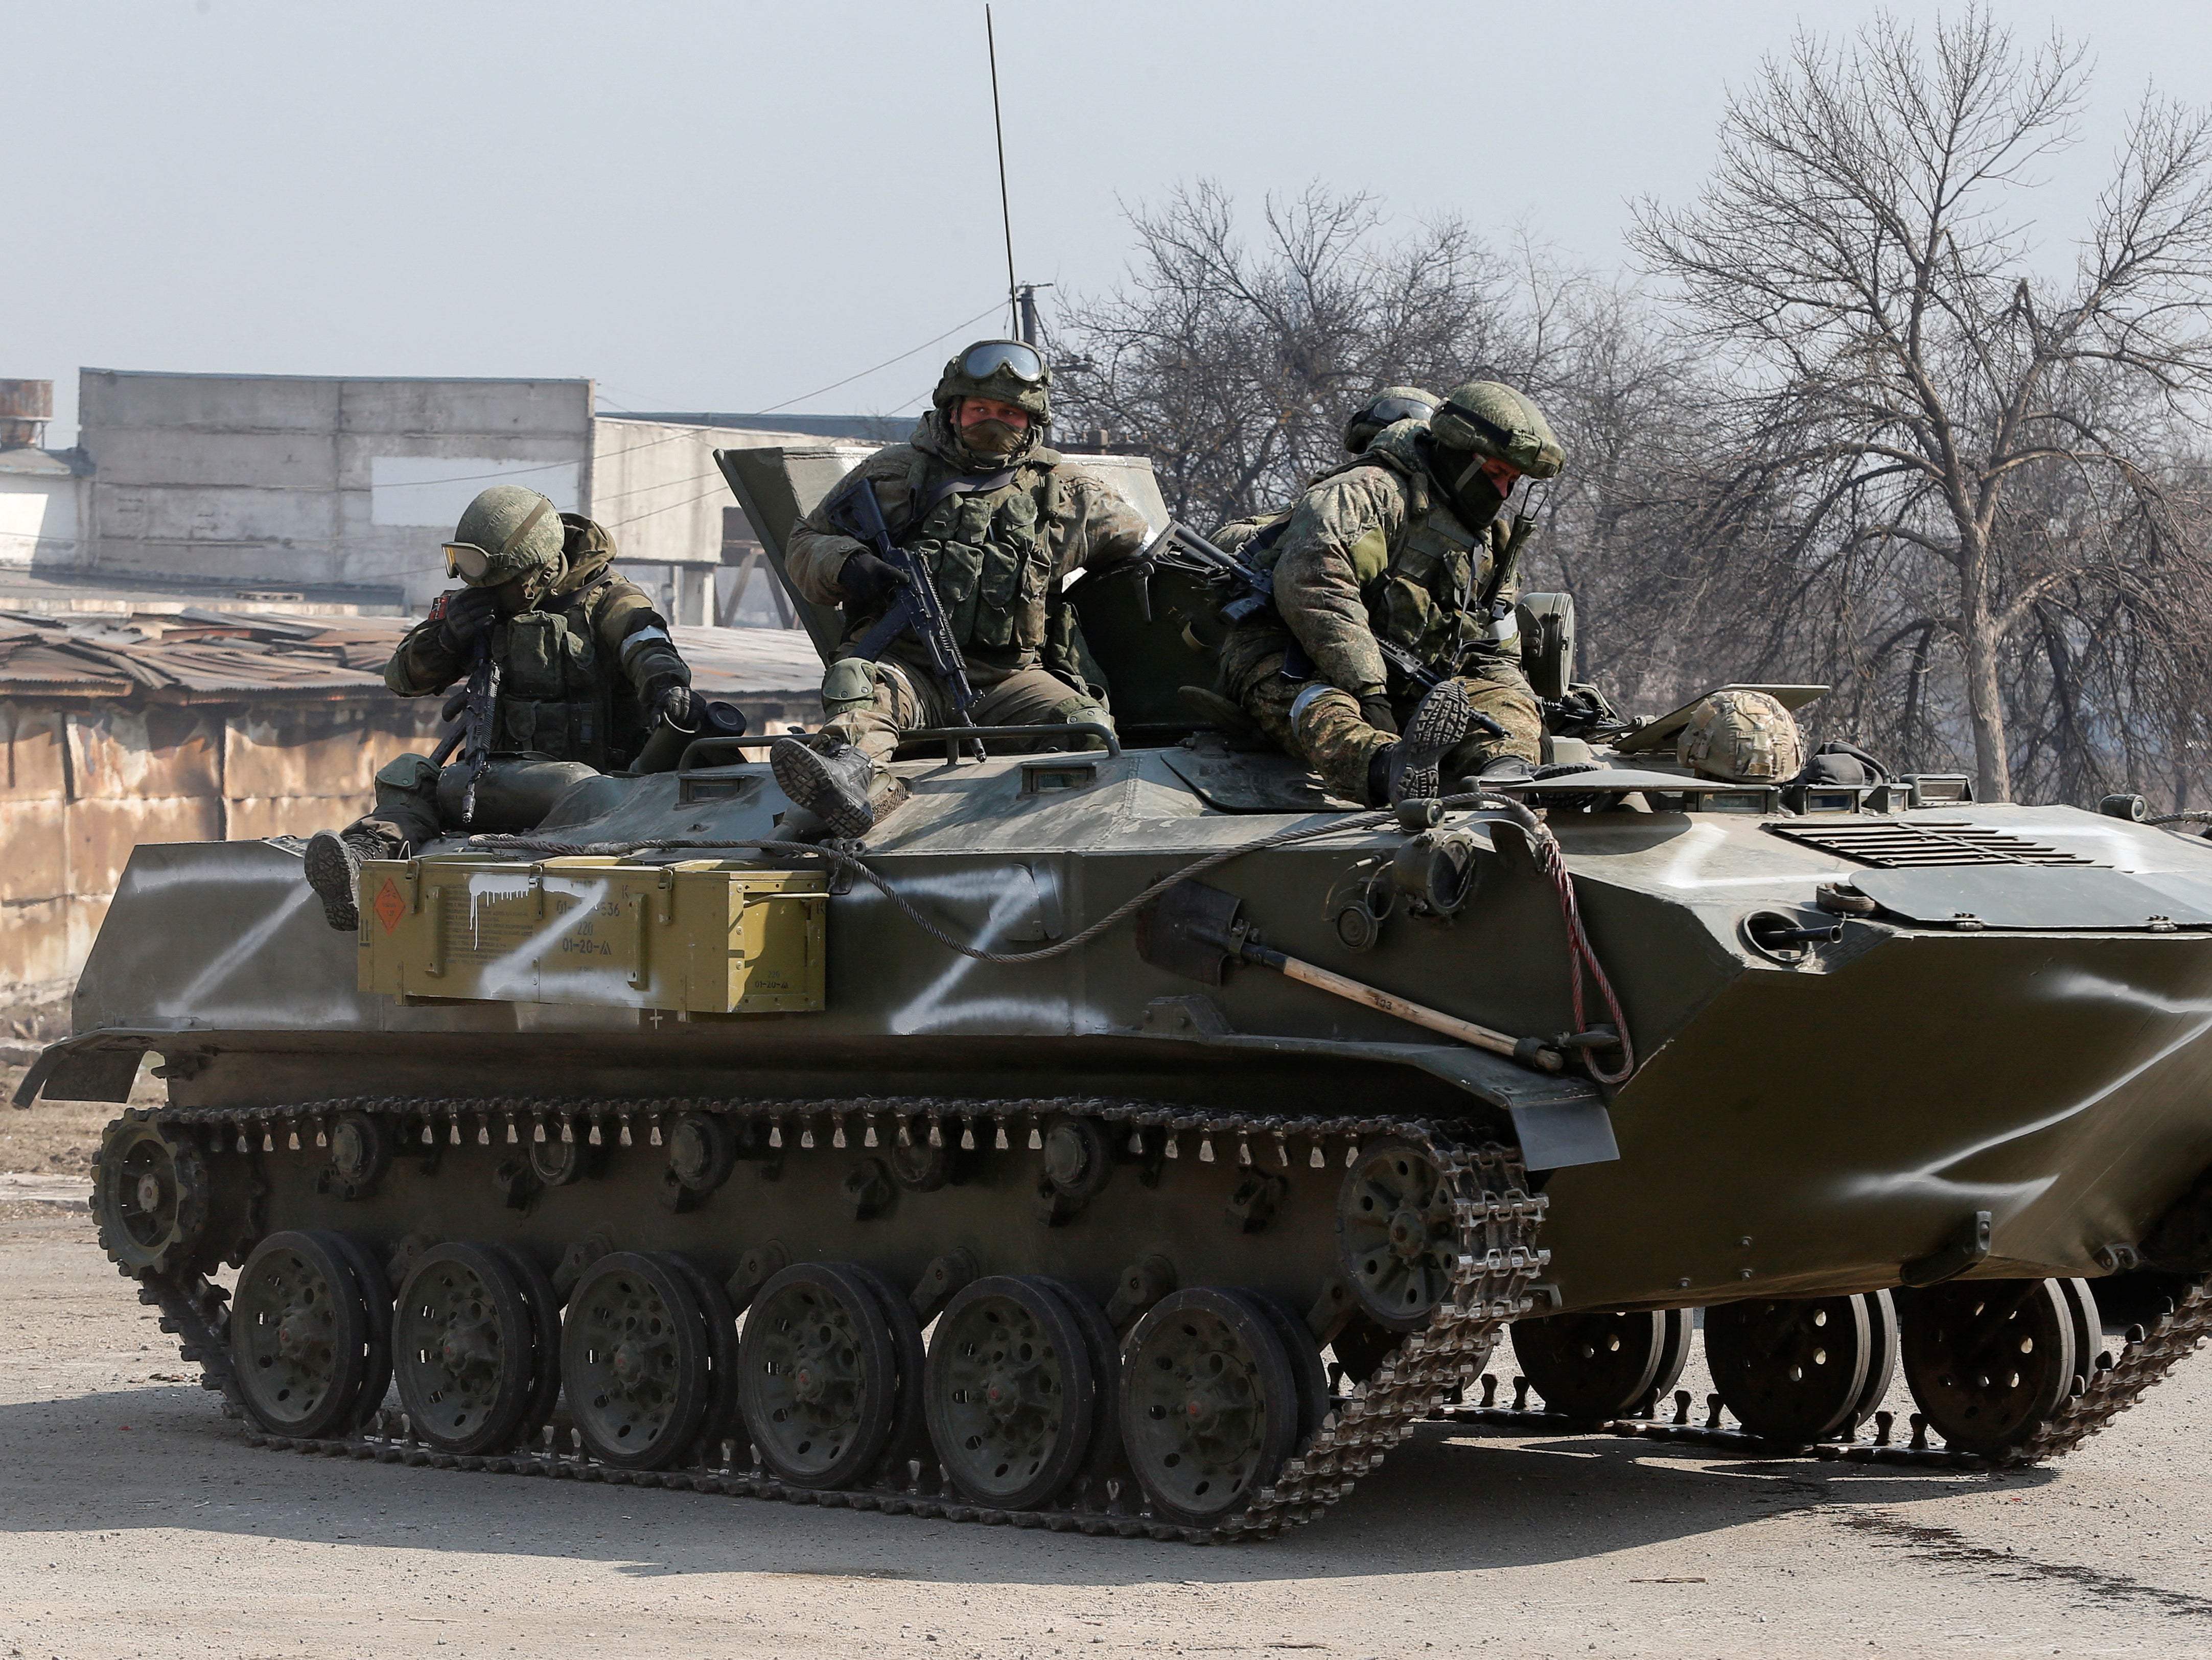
column 556, row 694
column 989, row 552
column 1426, row 597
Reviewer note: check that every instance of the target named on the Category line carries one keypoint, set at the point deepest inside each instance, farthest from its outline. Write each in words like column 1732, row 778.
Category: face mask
column 991, row 438
column 519, row 593
column 1474, row 498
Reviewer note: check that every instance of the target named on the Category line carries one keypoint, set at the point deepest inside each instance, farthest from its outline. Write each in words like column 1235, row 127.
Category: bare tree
column 1234, row 363
column 1908, row 373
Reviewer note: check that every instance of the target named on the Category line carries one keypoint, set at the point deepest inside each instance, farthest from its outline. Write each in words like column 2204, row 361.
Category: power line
column 886, row 363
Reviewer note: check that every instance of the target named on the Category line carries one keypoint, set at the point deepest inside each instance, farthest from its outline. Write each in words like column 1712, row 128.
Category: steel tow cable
column 1543, row 847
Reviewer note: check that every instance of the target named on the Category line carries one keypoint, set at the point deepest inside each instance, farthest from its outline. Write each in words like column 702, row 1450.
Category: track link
column 1495, row 1216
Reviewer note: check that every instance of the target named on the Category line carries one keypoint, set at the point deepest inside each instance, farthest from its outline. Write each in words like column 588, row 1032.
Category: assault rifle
column 917, row 607
column 1181, row 549
column 473, row 706
column 476, row 719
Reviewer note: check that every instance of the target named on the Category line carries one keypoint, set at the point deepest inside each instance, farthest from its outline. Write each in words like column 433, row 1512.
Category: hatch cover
column 1918, row 844
column 2041, row 898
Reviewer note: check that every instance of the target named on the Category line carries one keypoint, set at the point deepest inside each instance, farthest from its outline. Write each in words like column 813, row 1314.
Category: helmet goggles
column 981, row 362
column 467, row 561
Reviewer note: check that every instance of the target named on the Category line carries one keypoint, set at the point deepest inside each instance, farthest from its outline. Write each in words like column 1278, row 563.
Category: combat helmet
column 1743, row 738
column 1492, row 420
column 1010, row 371
column 506, row 533
column 1386, row 407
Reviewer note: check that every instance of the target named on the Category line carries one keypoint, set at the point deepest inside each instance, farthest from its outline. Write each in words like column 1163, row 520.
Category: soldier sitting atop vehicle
column 585, row 670
column 997, row 519
column 1401, row 545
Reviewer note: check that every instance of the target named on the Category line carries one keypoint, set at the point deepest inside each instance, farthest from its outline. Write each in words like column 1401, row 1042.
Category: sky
column 726, row 204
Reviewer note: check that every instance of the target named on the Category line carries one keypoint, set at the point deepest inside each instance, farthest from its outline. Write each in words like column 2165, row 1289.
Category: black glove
column 671, row 702
column 466, row 615
column 1375, row 711
column 870, row 582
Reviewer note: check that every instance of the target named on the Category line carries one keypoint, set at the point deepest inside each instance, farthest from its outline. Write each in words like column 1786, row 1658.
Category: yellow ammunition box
column 700, row 937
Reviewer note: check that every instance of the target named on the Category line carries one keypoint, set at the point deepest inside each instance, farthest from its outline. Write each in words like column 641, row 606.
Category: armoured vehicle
column 1215, row 1132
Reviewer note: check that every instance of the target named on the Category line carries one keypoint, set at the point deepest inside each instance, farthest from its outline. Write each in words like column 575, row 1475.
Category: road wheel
column 1012, row 1395
column 818, row 1376
column 1988, row 1361
column 1209, row 1405
column 464, row 1350
column 1791, row 1370
column 637, row 1361
column 1594, row 1366
column 300, row 1335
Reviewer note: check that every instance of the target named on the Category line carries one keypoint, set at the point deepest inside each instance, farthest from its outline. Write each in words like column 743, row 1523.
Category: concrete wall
column 655, row 486
column 84, row 784
column 271, row 479
column 41, row 516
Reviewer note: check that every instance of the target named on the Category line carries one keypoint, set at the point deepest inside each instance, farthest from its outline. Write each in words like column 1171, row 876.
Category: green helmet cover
column 1488, row 419
column 1386, row 407
column 519, row 532
column 1002, row 384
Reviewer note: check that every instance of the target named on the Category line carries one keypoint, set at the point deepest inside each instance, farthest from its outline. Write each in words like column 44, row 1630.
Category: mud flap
column 1554, row 1135
column 65, row 1072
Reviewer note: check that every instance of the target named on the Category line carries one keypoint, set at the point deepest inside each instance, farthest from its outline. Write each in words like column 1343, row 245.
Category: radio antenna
column 1005, row 210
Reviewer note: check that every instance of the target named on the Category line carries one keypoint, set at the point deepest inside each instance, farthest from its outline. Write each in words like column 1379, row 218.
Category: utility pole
column 1025, row 313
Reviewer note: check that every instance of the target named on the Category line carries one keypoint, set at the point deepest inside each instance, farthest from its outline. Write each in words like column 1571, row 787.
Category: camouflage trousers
column 1332, row 737
column 870, row 704
column 416, row 801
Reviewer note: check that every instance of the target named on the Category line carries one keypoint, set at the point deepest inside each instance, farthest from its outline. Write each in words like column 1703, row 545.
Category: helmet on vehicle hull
column 1742, row 738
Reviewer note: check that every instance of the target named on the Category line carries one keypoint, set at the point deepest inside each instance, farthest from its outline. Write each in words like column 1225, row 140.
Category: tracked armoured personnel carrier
column 1133, row 1140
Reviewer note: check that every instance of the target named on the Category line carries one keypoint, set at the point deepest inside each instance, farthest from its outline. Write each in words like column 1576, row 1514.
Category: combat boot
column 1441, row 724
column 829, row 778
column 333, row 862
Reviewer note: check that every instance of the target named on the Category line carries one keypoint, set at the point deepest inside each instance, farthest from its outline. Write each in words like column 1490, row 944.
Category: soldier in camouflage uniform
column 999, row 519
column 1401, row 543
column 586, row 671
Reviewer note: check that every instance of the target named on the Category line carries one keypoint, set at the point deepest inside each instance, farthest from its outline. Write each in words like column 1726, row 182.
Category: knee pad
column 849, row 684
column 1086, row 709
column 408, row 774
column 1320, row 691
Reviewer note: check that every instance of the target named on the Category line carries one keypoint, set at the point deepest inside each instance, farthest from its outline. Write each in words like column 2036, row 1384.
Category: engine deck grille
column 1896, row 844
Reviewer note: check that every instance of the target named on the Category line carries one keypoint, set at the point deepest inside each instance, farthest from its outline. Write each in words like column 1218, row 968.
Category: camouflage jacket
column 997, row 554
column 1375, row 548
column 579, row 671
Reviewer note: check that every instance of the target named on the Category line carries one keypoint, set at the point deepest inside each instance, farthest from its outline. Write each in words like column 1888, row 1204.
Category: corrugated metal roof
column 194, row 656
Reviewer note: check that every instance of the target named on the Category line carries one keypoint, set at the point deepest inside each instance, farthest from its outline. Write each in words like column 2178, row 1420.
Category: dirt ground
column 56, row 1137
column 133, row 1521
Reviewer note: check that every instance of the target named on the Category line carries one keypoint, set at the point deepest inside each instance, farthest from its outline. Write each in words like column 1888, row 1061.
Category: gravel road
column 133, row 1521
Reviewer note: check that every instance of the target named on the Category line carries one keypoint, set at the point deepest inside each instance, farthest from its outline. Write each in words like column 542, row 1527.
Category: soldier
column 586, row 671
column 1401, row 543
column 999, row 519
